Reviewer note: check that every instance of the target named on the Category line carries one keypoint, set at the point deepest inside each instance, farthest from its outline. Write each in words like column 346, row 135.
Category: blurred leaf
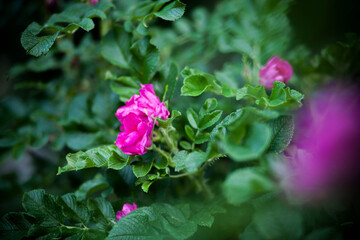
column 253, row 144
column 202, row 138
column 204, row 216
column 14, row 226
column 172, row 11
column 246, row 183
column 190, row 132
column 326, row 233
column 93, row 185
column 170, row 75
column 185, row 145
column 37, row 39
column 144, row 59
column 115, row 47
column 278, row 221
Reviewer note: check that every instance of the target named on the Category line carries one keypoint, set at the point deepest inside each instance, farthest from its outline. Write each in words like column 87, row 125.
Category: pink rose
column 137, row 122
column 325, row 163
column 275, row 70
column 93, row 2
column 127, row 208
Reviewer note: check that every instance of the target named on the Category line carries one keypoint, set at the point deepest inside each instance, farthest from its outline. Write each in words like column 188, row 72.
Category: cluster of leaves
column 224, row 115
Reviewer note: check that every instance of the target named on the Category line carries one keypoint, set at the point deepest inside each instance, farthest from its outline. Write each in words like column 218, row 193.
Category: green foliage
column 47, row 217
column 109, row 156
column 282, row 98
column 197, row 82
column 246, row 183
column 172, row 11
column 276, row 221
column 37, row 39
column 60, row 101
column 164, row 221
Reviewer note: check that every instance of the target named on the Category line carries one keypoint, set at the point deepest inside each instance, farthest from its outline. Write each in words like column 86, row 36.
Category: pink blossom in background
column 325, row 162
column 275, row 70
column 127, row 208
column 136, row 119
column 93, row 2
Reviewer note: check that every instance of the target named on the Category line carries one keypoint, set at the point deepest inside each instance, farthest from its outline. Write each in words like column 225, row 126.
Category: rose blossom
column 325, row 161
column 93, row 2
column 136, row 119
column 275, row 70
column 126, row 209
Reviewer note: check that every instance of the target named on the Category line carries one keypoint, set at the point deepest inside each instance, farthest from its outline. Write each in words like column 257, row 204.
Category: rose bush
column 142, row 102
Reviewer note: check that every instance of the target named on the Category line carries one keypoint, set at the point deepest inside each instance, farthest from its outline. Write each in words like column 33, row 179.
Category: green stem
column 172, row 147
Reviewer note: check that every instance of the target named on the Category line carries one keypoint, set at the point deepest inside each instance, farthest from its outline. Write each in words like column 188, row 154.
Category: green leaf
column 124, row 92
column 115, row 47
column 144, row 59
column 202, row 138
column 146, row 185
column 134, row 226
column 108, row 155
column 87, row 188
column 179, row 160
column 185, row 145
column 209, row 105
column 282, row 133
column 326, row 233
column 197, row 82
column 192, row 117
column 168, row 122
column 249, row 92
column 190, row 132
column 43, row 207
column 172, row 11
column 102, row 212
column 204, row 216
column 34, row 45
column 246, row 183
column 282, row 98
column 209, row 119
column 253, row 144
column 275, row 220
column 194, row 160
column 170, row 75
column 144, row 165
column 37, row 39
column 14, row 226
column 74, row 211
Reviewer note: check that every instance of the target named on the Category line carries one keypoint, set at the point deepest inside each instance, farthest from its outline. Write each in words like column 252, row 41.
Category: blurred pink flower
column 275, row 70
column 93, row 2
column 327, row 148
column 127, row 208
column 136, row 119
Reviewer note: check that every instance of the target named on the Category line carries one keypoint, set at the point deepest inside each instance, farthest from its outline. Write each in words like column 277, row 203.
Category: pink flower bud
column 127, row 208
column 136, row 119
column 275, row 70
